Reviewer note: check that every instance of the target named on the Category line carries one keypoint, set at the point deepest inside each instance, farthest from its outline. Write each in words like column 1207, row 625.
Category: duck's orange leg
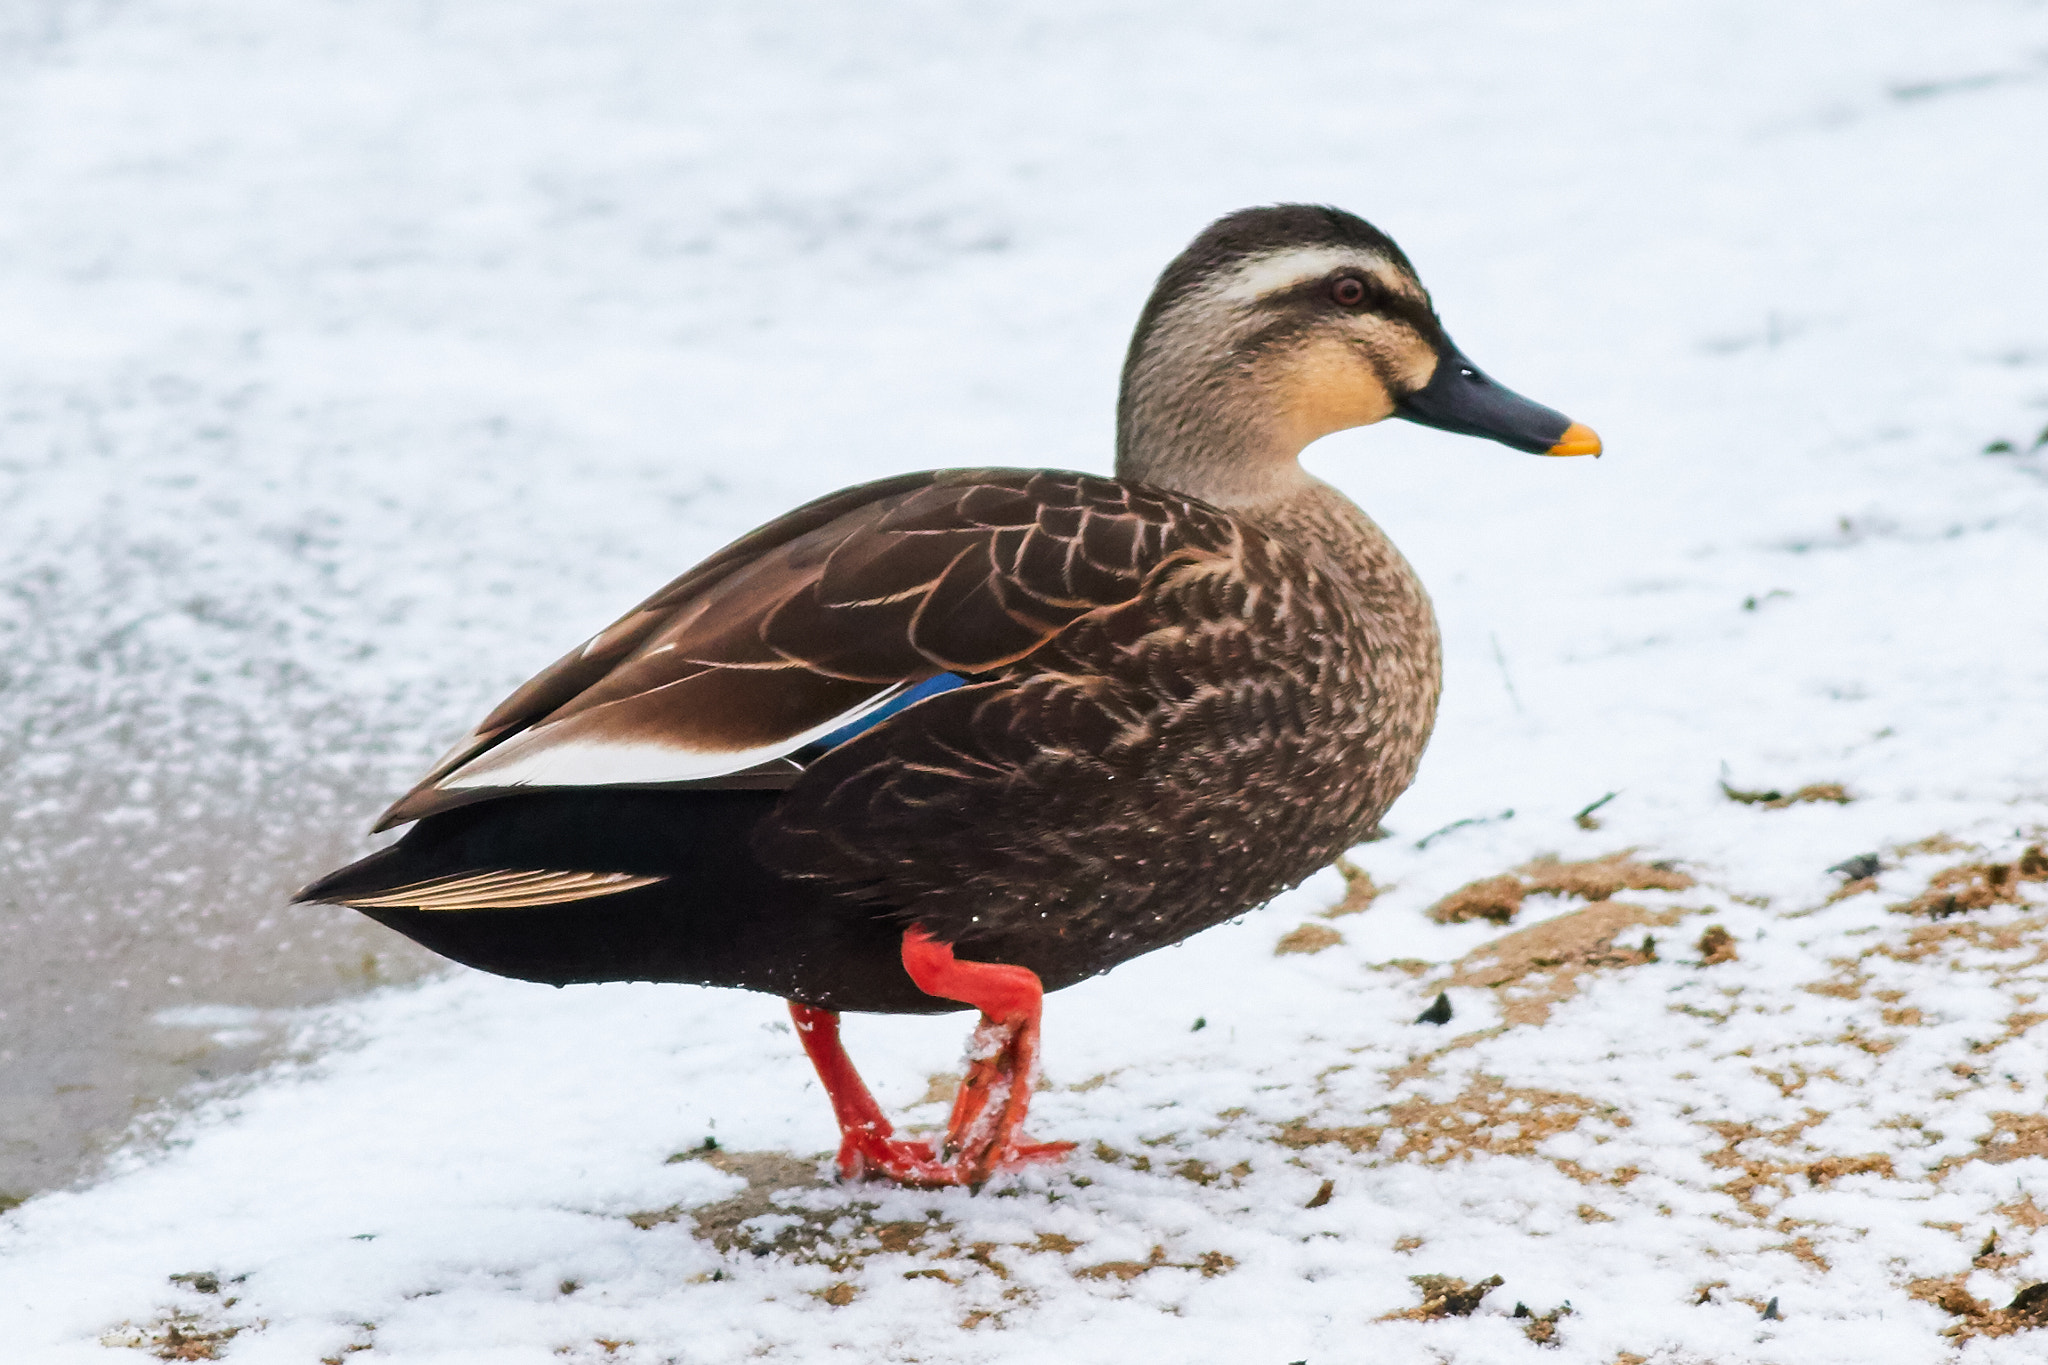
column 985, row 1133
column 867, row 1140
column 983, row 1136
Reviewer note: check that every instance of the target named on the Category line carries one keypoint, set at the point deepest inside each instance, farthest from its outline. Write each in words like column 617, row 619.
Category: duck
column 952, row 739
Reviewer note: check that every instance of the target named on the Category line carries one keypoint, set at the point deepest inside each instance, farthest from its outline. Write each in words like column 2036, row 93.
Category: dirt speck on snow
column 1499, row 898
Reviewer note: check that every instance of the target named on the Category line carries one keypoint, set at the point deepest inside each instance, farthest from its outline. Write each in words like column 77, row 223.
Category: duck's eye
column 1348, row 290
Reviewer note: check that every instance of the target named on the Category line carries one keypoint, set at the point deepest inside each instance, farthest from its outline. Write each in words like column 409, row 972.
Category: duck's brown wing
column 1158, row 766
column 815, row 621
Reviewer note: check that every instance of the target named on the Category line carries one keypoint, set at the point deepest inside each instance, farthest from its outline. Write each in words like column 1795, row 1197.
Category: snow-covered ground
column 360, row 356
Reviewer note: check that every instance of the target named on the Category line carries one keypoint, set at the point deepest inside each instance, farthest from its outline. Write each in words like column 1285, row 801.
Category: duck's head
column 1280, row 325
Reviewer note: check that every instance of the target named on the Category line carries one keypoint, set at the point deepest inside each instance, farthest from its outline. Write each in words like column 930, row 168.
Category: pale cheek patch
column 1328, row 387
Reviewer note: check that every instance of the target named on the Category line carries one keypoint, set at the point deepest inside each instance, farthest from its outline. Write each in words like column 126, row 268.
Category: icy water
column 155, row 958
column 173, row 770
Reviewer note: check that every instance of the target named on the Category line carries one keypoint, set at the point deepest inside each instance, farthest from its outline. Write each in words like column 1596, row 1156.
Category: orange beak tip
column 1578, row 439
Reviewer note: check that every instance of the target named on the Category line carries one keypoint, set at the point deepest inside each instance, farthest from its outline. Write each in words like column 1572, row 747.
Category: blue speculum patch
column 930, row 687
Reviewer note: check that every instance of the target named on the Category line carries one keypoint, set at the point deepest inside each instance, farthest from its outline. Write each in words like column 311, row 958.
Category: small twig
column 1424, row 841
column 1502, row 660
column 1584, row 819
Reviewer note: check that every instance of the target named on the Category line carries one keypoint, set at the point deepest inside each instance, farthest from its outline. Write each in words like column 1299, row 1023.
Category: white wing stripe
column 534, row 760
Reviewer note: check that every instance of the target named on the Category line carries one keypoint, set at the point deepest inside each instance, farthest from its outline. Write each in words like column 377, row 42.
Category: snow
column 381, row 351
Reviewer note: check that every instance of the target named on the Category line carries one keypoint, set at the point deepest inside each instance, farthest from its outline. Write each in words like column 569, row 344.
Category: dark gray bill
column 1460, row 397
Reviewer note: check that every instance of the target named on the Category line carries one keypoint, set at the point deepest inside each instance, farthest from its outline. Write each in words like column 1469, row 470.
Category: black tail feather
column 717, row 917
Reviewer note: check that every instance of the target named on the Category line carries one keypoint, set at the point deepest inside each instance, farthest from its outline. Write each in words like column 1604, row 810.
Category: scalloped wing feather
column 812, row 623
column 1159, row 765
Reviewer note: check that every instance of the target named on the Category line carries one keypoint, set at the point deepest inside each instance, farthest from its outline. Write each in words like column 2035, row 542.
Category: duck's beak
column 1459, row 397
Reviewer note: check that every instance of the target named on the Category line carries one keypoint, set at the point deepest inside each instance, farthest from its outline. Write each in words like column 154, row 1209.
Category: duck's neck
column 1214, row 451
column 1203, row 426
column 1197, row 419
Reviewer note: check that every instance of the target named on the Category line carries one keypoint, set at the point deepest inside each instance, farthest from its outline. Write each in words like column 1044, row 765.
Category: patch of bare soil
column 843, row 1236
column 1359, row 894
column 2013, row 1137
column 186, row 1333
column 1977, row 886
column 1756, row 1172
column 1833, row 792
column 1933, row 843
column 178, row 1335
column 1976, row 1318
column 768, row 1174
column 1192, row 1169
column 1307, row 938
column 1541, row 1328
column 838, row 1236
column 1491, row 898
column 1210, row 1265
column 1716, row 946
column 366, row 1340
column 1359, row 891
column 1444, row 1297
column 1927, row 940
column 1535, row 969
column 2025, row 1214
column 1489, row 1116
column 1500, row 898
